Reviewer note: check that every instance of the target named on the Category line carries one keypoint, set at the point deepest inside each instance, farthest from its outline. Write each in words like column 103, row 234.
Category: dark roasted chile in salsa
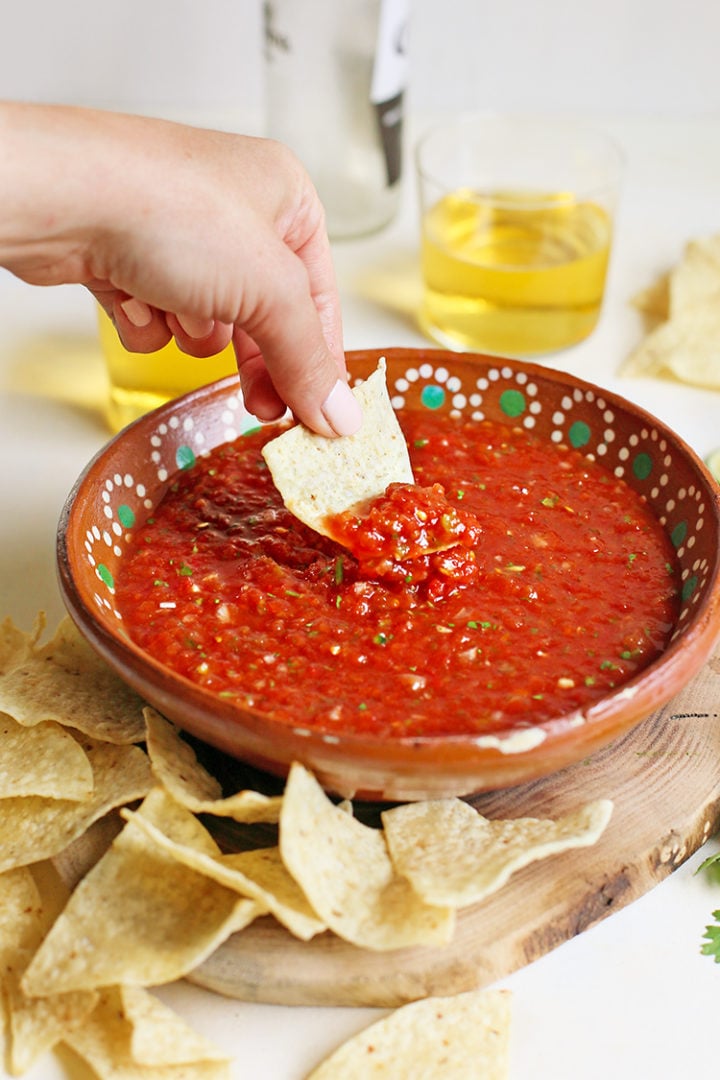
column 558, row 586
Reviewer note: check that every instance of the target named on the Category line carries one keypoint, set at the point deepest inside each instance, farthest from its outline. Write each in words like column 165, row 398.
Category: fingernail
column 196, row 328
column 138, row 313
column 342, row 410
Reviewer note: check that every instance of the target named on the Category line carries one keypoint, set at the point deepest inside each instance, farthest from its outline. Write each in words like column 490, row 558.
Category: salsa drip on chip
column 407, row 533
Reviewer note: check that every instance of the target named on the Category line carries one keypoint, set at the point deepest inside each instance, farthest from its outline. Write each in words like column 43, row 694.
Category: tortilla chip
column 15, row 645
column 42, row 760
column 127, row 1023
column 695, row 281
column 320, row 477
column 34, row 827
column 686, row 343
column 21, row 917
column 654, row 300
column 344, row 869
column 34, row 1026
column 139, row 917
column 453, row 855
column 259, row 875
column 159, row 1036
column 686, row 347
column 66, row 681
column 177, row 769
column 466, row 1037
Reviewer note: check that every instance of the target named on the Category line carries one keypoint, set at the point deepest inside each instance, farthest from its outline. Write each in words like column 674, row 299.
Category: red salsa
column 517, row 582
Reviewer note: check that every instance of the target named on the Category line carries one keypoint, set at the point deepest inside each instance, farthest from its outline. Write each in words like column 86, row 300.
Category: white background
column 631, row 998
column 656, row 57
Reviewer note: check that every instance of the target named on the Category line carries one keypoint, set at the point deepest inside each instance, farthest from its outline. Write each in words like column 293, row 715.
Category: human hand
column 185, row 232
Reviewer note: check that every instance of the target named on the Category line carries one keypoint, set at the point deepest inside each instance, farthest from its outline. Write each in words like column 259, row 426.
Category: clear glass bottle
column 336, row 76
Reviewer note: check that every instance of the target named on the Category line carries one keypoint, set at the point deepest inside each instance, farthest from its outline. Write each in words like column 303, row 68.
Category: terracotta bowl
column 128, row 477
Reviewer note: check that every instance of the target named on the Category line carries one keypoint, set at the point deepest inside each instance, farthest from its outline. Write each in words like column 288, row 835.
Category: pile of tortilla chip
column 85, row 764
column 683, row 309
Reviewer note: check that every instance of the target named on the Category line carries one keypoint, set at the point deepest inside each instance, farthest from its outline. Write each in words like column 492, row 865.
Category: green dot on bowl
column 512, row 402
column 642, row 466
column 689, row 587
column 579, row 434
column 105, row 576
column 185, row 457
column 432, row 396
column 126, row 516
column 678, row 534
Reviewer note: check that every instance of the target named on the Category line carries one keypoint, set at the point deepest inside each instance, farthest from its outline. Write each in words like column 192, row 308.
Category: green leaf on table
column 712, row 866
column 711, row 944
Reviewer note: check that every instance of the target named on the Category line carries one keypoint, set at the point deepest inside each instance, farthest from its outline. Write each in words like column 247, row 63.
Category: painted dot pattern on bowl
column 580, row 417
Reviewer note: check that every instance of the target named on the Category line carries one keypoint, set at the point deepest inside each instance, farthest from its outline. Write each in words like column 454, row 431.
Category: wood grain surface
column 664, row 780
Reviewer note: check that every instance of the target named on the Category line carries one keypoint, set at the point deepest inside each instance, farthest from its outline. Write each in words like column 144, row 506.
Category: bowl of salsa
column 580, row 592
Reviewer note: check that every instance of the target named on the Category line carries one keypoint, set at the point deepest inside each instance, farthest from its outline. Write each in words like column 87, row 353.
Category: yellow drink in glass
column 516, row 230
column 513, row 273
column 140, row 382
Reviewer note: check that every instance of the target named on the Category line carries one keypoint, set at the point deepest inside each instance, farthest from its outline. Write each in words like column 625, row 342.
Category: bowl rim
column 683, row 657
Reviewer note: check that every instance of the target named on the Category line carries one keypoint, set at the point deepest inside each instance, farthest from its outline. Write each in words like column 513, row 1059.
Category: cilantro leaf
column 711, row 943
column 712, row 866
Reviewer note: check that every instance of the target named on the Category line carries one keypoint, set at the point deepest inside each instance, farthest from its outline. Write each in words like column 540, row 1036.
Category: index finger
column 289, row 346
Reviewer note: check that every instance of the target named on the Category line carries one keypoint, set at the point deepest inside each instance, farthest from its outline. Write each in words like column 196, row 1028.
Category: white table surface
column 632, row 997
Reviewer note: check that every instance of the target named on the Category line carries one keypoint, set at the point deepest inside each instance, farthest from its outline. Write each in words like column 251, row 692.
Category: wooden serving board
column 664, row 780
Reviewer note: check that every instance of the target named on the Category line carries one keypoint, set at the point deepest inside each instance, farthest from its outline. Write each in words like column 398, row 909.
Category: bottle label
column 389, row 80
